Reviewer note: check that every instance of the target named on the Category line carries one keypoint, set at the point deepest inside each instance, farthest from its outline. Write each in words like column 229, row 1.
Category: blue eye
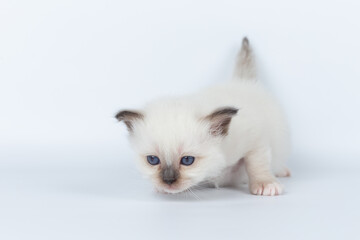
column 153, row 160
column 187, row 160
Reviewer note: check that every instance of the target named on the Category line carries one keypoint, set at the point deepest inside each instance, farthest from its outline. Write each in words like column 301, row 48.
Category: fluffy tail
column 245, row 65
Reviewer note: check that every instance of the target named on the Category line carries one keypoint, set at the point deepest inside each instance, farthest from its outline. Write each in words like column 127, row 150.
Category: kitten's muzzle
column 169, row 175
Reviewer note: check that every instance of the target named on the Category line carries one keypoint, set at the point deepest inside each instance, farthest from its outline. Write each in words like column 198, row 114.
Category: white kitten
column 219, row 135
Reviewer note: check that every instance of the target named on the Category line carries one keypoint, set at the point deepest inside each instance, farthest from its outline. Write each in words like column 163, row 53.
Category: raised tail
column 245, row 64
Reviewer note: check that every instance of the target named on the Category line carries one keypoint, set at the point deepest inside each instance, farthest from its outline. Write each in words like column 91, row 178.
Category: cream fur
column 255, row 148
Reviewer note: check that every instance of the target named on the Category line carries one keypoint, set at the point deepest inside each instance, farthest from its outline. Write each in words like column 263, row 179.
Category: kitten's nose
column 169, row 181
column 169, row 175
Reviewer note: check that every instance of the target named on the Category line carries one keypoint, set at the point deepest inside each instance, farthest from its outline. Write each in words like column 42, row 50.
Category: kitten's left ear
column 129, row 117
column 220, row 120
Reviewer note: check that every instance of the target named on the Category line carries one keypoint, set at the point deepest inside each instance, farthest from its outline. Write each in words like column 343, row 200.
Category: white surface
column 67, row 66
column 113, row 202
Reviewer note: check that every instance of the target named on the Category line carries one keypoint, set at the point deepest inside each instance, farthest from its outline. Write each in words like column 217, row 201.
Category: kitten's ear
column 129, row 117
column 220, row 120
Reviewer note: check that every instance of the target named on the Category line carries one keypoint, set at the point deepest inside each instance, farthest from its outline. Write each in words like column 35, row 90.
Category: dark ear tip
column 227, row 111
column 126, row 114
column 120, row 115
column 232, row 110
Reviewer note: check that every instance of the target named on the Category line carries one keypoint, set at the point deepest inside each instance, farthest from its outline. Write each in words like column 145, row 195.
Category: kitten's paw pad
column 284, row 173
column 271, row 188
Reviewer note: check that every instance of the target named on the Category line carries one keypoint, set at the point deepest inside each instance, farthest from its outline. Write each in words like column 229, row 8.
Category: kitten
column 219, row 135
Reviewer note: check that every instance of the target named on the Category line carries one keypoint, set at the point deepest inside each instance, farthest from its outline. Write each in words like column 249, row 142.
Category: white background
column 67, row 66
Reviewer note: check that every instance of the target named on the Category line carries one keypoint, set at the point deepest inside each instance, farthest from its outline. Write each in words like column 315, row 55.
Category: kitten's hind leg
column 261, row 179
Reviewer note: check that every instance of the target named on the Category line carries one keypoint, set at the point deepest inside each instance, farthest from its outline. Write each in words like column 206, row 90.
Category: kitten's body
column 259, row 124
column 255, row 145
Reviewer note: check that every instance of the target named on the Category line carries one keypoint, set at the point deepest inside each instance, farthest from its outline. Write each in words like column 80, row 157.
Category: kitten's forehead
column 171, row 129
column 172, row 121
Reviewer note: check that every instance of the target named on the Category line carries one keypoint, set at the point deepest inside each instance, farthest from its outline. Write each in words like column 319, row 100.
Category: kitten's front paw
column 266, row 188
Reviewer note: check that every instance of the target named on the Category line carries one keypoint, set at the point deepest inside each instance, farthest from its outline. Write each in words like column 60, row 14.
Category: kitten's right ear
column 129, row 117
column 220, row 120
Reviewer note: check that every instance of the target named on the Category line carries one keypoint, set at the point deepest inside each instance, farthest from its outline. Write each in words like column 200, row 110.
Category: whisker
column 196, row 196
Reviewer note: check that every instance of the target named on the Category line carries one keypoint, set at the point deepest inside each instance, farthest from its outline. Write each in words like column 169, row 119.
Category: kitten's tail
column 245, row 64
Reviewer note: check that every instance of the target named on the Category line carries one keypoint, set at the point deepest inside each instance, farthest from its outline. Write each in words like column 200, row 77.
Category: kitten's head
column 177, row 147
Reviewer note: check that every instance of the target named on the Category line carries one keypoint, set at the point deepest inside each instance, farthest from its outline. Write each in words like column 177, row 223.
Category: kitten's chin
column 174, row 191
column 171, row 190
